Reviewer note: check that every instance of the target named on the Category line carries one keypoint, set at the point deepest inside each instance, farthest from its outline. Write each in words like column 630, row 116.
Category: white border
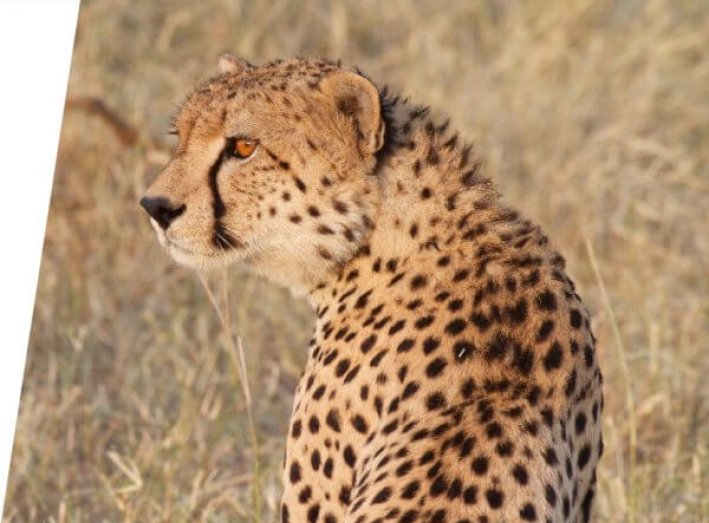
column 36, row 40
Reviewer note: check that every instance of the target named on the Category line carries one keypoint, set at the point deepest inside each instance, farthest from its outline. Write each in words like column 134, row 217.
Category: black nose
column 162, row 210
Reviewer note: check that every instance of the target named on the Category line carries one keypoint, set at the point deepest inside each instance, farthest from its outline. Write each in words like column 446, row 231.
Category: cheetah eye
column 241, row 148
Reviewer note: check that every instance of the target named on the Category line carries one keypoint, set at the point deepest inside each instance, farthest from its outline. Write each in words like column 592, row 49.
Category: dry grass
column 591, row 115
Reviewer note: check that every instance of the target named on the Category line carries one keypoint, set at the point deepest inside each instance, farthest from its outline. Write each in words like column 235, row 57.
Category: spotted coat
column 452, row 374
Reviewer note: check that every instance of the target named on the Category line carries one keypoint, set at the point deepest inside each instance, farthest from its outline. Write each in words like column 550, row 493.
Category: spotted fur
column 452, row 373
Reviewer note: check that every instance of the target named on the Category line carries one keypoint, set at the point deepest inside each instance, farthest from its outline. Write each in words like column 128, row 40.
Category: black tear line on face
column 221, row 238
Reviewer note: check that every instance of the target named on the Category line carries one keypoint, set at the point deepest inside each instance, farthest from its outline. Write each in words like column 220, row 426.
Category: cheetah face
column 273, row 167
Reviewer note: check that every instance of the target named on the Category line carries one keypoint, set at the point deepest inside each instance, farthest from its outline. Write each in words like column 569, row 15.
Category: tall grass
column 592, row 116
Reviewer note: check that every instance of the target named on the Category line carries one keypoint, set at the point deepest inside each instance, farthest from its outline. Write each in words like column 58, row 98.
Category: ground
column 131, row 409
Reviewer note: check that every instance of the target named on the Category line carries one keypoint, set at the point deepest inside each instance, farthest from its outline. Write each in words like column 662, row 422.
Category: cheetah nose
column 161, row 210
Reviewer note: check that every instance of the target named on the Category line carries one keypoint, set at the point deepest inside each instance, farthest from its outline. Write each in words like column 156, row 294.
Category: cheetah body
column 452, row 374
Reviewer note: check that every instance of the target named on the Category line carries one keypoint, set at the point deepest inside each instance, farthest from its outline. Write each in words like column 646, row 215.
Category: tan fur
column 452, row 372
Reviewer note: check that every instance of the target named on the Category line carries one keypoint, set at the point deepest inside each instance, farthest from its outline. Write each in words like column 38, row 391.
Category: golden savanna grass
column 592, row 116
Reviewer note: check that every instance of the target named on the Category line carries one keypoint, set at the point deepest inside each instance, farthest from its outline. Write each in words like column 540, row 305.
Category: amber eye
column 243, row 147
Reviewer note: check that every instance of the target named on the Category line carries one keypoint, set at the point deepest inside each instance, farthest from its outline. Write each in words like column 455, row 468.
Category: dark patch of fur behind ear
column 387, row 103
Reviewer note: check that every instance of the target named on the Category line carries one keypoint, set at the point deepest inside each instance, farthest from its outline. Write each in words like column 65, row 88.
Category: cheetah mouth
column 198, row 260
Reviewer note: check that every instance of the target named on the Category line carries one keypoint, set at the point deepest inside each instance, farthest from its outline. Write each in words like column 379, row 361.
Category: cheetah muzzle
column 452, row 374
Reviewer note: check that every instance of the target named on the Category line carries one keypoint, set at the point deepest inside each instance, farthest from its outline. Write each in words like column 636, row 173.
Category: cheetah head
column 273, row 168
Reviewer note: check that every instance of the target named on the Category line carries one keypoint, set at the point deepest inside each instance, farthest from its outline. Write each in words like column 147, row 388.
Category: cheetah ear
column 229, row 63
column 357, row 98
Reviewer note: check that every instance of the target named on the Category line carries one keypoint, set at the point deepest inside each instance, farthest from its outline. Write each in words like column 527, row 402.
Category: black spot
column 467, row 388
column 545, row 330
column 435, row 401
column 352, row 374
column 470, row 495
column 313, row 513
column 494, row 498
column 588, row 355
column 344, row 495
column 527, row 513
column 319, row 392
column 575, row 317
column 296, row 429
column 547, row 301
column 504, row 448
column 359, row 423
column 550, row 457
column 455, row 305
column 299, row 183
column 455, row 489
column 519, row 472
column 522, row 359
column 350, row 457
column 397, row 327
column 550, row 495
column 586, row 505
column 584, row 456
column 460, row 275
column 405, row 345
column 498, row 347
column 493, row 430
column 518, row 313
column 330, row 358
column 339, row 206
column 480, row 321
column 443, row 261
column 438, row 486
column 342, row 367
column 315, row 460
column 410, row 490
column 570, row 387
column 382, row 496
column 324, row 229
column 368, row 343
column 333, row 420
column 327, row 468
column 295, row 473
column 456, row 326
column 410, row 389
column 424, row 322
column 580, row 422
column 480, row 465
column 435, row 368
column 442, row 296
column 554, row 356
column 430, row 344
column 418, row 281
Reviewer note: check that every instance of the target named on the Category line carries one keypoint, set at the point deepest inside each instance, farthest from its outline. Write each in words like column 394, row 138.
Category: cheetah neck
column 430, row 193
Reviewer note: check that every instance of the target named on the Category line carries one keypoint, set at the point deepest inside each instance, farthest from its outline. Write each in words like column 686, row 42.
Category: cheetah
column 452, row 373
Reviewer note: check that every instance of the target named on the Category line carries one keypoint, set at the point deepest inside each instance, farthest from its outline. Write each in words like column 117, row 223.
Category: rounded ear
column 229, row 63
column 357, row 98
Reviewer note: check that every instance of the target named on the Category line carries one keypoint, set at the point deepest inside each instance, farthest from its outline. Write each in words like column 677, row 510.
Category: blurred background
column 592, row 116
